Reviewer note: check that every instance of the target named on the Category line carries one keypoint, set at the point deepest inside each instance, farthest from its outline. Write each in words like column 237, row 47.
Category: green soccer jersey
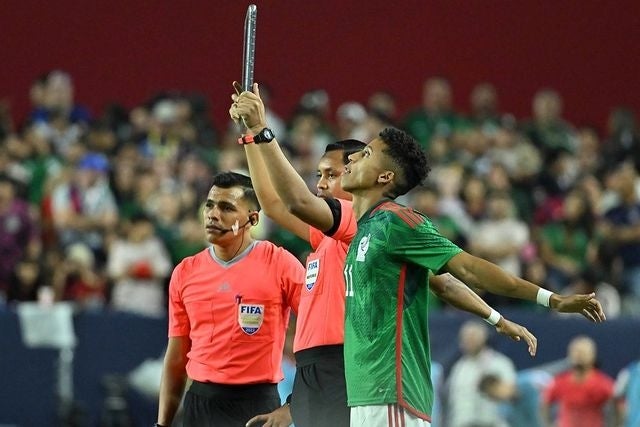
column 386, row 342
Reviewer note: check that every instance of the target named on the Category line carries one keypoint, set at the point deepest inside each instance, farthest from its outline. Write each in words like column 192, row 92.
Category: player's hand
column 281, row 417
column 249, row 107
column 585, row 304
column 517, row 332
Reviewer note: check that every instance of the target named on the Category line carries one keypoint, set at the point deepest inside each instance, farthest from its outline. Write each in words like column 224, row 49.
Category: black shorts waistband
column 236, row 391
column 312, row 355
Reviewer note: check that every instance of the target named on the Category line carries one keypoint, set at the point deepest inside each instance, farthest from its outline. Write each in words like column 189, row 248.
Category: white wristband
column 493, row 318
column 543, row 297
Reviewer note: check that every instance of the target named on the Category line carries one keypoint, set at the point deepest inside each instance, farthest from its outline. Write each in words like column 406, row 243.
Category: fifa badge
column 250, row 317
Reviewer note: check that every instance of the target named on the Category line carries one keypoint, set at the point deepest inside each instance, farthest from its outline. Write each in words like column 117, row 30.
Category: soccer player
column 386, row 335
column 392, row 255
column 328, row 223
column 229, row 308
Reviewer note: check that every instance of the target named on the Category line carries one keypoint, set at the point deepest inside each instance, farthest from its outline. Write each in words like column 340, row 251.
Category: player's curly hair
column 407, row 154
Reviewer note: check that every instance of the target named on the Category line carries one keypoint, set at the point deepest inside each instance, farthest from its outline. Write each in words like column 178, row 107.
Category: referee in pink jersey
column 229, row 307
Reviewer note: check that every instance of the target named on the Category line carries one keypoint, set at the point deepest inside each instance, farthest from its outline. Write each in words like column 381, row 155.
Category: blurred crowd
column 98, row 208
column 482, row 388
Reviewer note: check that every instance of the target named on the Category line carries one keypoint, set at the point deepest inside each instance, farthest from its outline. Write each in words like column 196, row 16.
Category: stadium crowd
column 98, row 208
column 555, row 203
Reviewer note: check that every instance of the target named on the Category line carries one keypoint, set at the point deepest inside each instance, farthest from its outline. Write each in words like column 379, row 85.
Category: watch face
column 267, row 134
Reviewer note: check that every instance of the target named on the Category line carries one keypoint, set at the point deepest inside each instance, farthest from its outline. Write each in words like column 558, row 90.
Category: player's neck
column 364, row 201
column 229, row 251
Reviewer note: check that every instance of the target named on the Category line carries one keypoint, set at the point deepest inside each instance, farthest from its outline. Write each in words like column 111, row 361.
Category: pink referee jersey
column 321, row 312
column 235, row 313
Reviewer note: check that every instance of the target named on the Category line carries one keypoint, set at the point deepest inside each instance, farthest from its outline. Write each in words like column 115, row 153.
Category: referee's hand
column 281, row 417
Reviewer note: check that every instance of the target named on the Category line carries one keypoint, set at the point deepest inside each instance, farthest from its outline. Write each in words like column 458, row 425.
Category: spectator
column 593, row 279
column 18, row 232
column 627, row 393
column 76, row 279
column 547, row 130
column 138, row 265
column 426, row 200
column 27, row 278
column 383, row 104
column 620, row 228
column 54, row 94
column 500, row 237
column 466, row 407
column 350, row 120
column 436, row 116
column 83, row 207
column 582, row 392
column 568, row 244
column 519, row 400
column 484, row 107
column 623, row 140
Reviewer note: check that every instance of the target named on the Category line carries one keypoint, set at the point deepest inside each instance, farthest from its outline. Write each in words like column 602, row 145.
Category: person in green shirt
column 386, row 274
column 387, row 358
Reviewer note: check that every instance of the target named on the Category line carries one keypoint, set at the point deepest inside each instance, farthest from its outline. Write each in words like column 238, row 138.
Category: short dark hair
column 348, row 147
column 233, row 179
column 407, row 154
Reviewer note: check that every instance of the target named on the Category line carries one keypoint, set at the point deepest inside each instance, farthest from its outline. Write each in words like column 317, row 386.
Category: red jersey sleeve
column 178, row 319
column 291, row 273
column 605, row 388
column 551, row 393
column 345, row 225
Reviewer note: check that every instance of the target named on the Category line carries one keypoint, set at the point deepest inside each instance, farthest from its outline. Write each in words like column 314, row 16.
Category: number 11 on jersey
column 348, row 280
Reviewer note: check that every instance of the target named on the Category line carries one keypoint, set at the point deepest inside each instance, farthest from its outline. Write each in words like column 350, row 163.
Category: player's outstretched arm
column 280, row 417
column 482, row 274
column 288, row 184
column 457, row 294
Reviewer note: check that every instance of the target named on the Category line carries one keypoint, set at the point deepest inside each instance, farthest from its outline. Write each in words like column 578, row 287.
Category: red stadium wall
column 127, row 50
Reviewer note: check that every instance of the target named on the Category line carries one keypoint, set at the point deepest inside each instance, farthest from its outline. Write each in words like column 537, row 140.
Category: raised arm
column 457, row 294
column 291, row 188
column 482, row 274
column 269, row 200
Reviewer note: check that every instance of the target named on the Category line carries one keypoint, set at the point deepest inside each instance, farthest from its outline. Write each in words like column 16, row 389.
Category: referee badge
column 250, row 317
column 313, row 268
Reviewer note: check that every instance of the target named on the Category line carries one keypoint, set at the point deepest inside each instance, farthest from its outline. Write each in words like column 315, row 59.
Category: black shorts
column 319, row 396
column 222, row 405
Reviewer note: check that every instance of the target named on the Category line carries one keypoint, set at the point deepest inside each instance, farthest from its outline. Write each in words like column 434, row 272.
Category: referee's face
column 226, row 215
column 330, row 171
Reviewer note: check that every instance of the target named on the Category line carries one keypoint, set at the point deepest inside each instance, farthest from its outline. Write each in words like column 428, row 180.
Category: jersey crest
column 313, row 268
column 250, row 317
column 363, row 247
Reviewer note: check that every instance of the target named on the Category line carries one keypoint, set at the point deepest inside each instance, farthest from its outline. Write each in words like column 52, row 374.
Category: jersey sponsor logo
column 250, row 317
column 363, row 247
column 313, row 268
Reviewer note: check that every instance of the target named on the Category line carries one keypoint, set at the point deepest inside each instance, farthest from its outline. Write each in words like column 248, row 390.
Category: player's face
column 224, row 210
column 330, row 171
column 364, row 167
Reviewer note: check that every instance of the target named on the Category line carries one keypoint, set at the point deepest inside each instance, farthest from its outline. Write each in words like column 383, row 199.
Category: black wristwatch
column 265, row 135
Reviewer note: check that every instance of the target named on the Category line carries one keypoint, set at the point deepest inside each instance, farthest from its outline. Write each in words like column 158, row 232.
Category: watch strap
column 246, row 139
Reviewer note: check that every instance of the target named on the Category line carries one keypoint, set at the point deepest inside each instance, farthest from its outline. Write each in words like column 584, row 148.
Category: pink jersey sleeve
column 346, row 229
column 291, row 273
column 178, row 318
